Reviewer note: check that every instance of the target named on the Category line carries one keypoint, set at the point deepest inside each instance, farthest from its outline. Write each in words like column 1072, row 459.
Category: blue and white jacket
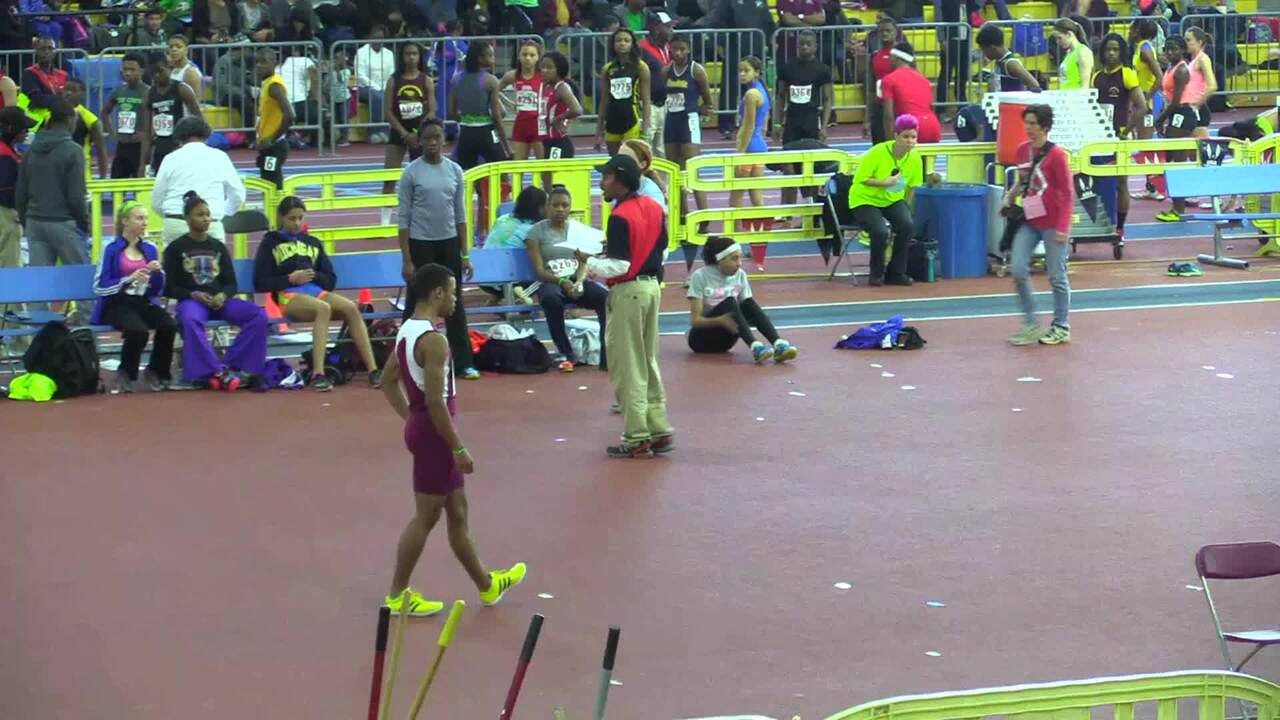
column 108, row 282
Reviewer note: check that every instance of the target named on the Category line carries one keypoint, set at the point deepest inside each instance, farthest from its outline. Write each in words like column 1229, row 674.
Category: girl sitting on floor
column 128, row 286
column 200, row 276
column 722, row 309
column 292, row 265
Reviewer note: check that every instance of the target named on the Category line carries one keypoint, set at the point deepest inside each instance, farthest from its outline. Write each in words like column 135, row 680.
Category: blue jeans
column 375, row 99
column 1055, row 260
column 552, row 298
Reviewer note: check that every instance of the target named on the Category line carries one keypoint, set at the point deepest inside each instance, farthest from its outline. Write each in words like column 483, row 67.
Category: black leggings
column 448, row 254
column 135, row 317
column 718, row 340
column 873, row 219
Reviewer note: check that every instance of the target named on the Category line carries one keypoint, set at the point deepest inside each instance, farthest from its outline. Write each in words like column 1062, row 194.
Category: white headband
column 903, row 56
column 728, row 251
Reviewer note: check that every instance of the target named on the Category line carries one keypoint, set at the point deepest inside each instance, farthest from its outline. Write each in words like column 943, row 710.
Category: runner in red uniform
column 529, row 127
column 559, row 105
column 906, row 92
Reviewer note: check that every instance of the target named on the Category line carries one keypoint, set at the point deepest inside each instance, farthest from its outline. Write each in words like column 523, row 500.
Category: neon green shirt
column 879, row 164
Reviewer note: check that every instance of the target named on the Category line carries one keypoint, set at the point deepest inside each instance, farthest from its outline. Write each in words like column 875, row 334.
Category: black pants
column 448, row 254
column 134, row 317
column 718, row 340
column 271, row 161
column 477, row 145
column 552, row 298
column 873, row 219
column 128, row 160
column 955, row 69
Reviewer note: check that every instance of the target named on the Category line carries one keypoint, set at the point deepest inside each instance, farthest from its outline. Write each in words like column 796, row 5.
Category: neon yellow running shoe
column 418, row 605
column 500, row 581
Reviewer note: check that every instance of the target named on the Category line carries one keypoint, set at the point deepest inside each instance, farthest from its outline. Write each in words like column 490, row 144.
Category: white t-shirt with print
column 714, row 287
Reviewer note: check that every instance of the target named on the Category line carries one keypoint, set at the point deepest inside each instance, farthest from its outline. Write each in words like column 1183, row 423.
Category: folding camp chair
column 846, row 233
column 1238, row 561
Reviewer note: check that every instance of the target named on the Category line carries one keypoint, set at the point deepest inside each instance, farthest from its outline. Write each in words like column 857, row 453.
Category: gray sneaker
column 152, row 381
column 1029, row 335
column 122, row 384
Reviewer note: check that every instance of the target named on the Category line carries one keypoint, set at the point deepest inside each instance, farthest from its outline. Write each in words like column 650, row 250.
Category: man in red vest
column 635, row 237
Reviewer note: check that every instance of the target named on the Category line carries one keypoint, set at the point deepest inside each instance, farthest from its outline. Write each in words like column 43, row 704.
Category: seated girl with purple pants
column 201, row 278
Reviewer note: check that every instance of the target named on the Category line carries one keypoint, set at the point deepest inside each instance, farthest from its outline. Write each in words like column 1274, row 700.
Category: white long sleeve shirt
column 208, row 171
column 373, row 68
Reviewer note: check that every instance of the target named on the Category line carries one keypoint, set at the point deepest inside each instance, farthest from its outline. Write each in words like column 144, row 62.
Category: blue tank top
column 757, row 143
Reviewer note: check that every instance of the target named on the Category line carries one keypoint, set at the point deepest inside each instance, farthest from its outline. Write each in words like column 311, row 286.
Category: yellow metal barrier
column 573, row 173
column 1263, row 152
column 1115, row 698
column 140, row 188
column 1113, row 158
column 330, row 200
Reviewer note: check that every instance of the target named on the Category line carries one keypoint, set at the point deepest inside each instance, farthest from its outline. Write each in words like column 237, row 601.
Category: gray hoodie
column 51, row 181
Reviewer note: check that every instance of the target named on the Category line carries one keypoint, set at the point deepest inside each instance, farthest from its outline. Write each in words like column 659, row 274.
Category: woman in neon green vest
column 1077, row 61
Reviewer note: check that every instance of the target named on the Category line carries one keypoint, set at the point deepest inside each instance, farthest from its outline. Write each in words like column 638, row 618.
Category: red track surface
column 228, row 564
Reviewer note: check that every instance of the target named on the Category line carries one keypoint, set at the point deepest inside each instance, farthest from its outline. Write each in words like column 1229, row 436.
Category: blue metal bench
column 1217, row 182
column 355, row 271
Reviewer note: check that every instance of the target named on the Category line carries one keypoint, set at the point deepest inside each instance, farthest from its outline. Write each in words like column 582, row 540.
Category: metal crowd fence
column 1032, row 41
column 229, row 88
column 14, row 62
column 368, row 68
column 719, row 50
column 942, row 52
column 1245, row 51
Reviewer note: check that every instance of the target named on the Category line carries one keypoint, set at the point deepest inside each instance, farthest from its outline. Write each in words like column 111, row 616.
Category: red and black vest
column 645, row 223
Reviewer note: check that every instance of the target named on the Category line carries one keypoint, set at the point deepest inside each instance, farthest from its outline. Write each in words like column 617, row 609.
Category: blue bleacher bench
column 355, row 271
column 1223, row 181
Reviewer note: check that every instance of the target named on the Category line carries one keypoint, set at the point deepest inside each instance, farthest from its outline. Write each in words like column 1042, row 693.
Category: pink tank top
column 1193, row 93
column 129, row 266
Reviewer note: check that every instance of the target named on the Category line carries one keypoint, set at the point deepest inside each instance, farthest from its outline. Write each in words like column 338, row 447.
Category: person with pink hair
column 879, row 198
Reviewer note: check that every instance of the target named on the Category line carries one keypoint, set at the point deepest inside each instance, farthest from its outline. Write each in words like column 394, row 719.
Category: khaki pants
column 631, row 343
column 11, row 257
column 10, row 238
column 657, row 121
column 174, row 228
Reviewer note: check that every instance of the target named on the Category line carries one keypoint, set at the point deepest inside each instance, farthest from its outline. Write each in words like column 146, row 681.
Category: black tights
column 718, row 340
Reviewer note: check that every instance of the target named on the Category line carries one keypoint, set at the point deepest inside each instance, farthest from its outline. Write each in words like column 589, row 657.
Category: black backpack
column 68, row 357
column 526, row 356
column 382, row 338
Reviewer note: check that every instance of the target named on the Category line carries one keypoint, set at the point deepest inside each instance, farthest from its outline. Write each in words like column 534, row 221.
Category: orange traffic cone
column 366, row 298
column 275, row 313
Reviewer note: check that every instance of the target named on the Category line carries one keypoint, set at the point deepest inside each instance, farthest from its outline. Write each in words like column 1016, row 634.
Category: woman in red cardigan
column 1048, row 201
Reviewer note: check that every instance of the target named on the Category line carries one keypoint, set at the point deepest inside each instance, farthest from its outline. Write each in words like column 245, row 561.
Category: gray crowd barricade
column 1033, row 42
column 942, row 52
column 229, row 90
column 1243, row 63
column 443, row 58
column 14, row 62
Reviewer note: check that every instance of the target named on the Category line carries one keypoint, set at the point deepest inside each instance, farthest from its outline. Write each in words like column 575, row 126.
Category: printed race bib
column 554, row 154
column 1179, row 119
column 562, row 267
column 411, row 110
column 496, row 140
column 620, row 88
column 801, row 94
column 127, row 122
column 1148, row 120
column 675, row 103
column 526, row 101
column 1110, row 110
column 270, row 163
column 1033, row 206
column 163, row 125
column 879, row 94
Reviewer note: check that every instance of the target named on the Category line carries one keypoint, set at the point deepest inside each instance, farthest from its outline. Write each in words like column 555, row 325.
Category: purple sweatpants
column 247, row 353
